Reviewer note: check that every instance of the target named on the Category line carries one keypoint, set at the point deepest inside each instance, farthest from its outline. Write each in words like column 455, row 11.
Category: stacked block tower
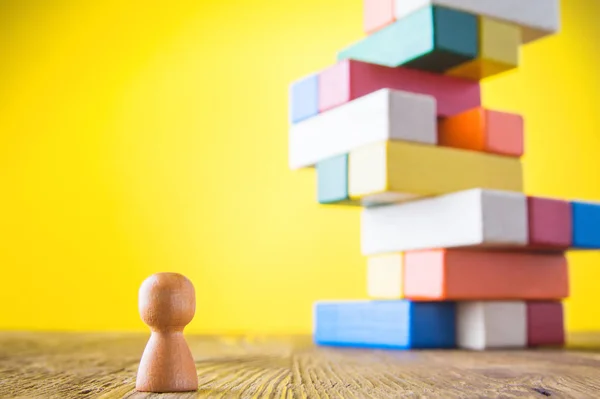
column 457, row 255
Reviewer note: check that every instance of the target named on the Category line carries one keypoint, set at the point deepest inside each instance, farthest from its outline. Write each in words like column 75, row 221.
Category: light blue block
column 433, row 39
column 586, row 225
column 395, row 324
column 332, row 181
column 304, row 98
column 397, row 43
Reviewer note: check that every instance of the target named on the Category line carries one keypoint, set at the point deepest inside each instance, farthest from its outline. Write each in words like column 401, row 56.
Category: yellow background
column 142, row 137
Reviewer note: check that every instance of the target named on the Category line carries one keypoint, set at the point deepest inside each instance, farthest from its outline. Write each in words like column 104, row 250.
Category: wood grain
column 54, row 365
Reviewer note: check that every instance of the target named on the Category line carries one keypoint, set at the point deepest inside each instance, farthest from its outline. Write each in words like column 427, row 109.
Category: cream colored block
column 385, row 276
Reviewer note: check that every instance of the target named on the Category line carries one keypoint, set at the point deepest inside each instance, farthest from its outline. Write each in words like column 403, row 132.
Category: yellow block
column 393, row 171
column 499, row 51
column 384, row 276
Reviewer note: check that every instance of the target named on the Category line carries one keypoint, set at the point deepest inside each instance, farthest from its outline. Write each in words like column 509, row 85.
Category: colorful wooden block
column 535, row 18
column 332, row 181
column 470, row 218
column 586, row 224
column 396, row 324
column 545, row 323
column 499, row 51
column 382, row 115
column 550, row 222
column 394, row 171
column 304, row 98
column 385, row 276
column 377, row 13
column 454, row 274
column 481, row 129
column 433, row 39
column 482, row 325
column 348, row 80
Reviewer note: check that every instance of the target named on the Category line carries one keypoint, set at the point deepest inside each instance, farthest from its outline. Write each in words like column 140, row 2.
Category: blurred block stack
column 458, row 256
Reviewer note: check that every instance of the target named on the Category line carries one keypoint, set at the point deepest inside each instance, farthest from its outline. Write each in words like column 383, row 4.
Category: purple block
column 550, row 222
column 545, row 324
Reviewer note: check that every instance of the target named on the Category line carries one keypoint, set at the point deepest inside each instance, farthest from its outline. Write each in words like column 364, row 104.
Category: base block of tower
column 454, row 275
column 382, row 115
column 535, row 18
column 393, row 171
column 482, row 325
column 434, row 39
column 481, row 129
column 396, row 324
column 586, row 224
column 348, row 80
column 550, row 222
column 304, row 98
column 469, row 218
column 499, row 51
column 332, row 181
column 545, row 323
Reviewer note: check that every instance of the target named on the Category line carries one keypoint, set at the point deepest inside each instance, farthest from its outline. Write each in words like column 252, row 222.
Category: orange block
column 484, row 275
column 377, row 14
column 484, row 130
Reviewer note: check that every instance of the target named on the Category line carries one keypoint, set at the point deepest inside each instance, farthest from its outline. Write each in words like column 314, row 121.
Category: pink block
column 349, row 79
column 377, row 14
column 505, row 133
column 550, row 222
column 545, row 325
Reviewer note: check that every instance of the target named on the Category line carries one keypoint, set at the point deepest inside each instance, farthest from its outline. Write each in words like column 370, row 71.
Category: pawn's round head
column 167, row 301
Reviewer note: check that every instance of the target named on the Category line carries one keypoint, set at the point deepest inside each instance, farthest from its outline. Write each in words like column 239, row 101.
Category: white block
column 491, row 324
column 537, row 18
column 470, row 218
column 384, row 276
column 379, row 116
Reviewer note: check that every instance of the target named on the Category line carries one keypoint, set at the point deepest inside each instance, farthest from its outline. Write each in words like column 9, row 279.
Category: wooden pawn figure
column 167, row 303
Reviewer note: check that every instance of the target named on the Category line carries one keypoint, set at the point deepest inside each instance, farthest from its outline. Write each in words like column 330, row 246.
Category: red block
column 349, row 79
column 545, row 324
column 550, row 223
column 485, row 130
column 454, row 274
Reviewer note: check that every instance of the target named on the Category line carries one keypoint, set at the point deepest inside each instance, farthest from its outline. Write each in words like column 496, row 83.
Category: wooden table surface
column 54, row 365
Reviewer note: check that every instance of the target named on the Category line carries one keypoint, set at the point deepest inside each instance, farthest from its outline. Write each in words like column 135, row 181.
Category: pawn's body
column 167, row 304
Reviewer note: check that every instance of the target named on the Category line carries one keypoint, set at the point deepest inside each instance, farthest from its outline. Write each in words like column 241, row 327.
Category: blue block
column 433, row 39
column 304, row 98
column 586, row 225
column 394, row 324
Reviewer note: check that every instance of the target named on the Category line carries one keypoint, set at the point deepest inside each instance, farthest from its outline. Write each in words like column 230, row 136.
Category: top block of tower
column 536, row 18
column 442, row 40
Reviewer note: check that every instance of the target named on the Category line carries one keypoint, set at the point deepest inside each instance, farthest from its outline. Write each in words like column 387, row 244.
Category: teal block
column 433, row 39
column 332, row 181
